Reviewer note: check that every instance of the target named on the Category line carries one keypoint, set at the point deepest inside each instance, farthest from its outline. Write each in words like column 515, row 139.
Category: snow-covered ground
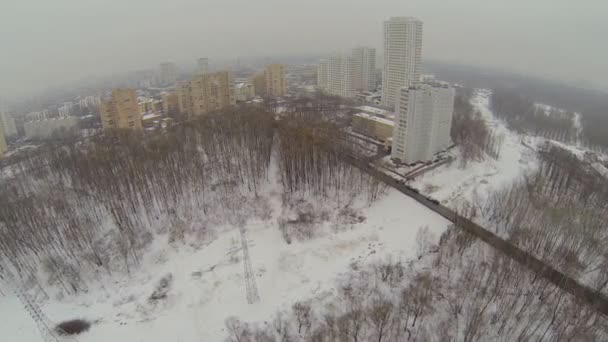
column 451, row 183
column 208, row 284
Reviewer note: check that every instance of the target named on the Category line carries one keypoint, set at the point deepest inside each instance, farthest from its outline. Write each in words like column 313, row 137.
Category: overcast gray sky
column 43, row 42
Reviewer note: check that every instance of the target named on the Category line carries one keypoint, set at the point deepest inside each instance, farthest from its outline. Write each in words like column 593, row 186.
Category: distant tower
column 168, row 73
column 121, row 110
column 203, row 65
column 345, row 75
column 402, row 56
column 276, row 80
column 7, row 121
column 364, row 66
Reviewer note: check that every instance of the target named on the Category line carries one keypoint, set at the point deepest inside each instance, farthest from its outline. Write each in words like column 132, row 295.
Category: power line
column 250, row 285
column 42, row 322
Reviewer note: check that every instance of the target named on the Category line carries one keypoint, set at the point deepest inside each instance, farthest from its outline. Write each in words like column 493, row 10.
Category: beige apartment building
column 206, row 93
column 170, row 104
column 3, row 147
column 121, row 111
column 259, row 84
column 275, row 79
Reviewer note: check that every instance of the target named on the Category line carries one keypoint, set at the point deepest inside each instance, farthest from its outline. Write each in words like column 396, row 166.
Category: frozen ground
column 208, row 284
column 451, row 184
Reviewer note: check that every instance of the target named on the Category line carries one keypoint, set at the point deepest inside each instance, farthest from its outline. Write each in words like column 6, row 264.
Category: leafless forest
column 470, row 131
column 84, row 210
column 523, row 116
column 558, row 214
column 461, row 289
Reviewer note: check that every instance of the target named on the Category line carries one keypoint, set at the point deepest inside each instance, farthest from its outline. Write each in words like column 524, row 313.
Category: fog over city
column 47, row 43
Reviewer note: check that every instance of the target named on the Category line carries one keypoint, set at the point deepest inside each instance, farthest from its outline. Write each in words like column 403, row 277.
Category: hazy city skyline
column 50, row 43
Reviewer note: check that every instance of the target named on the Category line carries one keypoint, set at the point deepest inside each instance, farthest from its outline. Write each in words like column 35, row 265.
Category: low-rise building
column 66, row 109
column 150, row 119
column 373, row 126
column 46, row 129
column 244, row 91
column 375, row 111
column 146, row 105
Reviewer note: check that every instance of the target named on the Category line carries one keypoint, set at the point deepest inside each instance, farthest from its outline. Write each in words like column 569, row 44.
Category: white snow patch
column 208, row 284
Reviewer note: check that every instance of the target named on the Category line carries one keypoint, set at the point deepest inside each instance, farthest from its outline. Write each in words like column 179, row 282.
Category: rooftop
column 375, row 118
column 150, row 116
column 373, row 110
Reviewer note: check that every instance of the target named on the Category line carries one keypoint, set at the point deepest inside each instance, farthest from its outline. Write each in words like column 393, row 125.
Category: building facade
column 121, row 110
column 170, row 104
column 364, row 65
column 422, row 122
column 202, row 65
column 346, row 75
column 276, row 80
column 167, row 73
column 244, row 91
column 3, row 146
column 402, row 56
column 373, row 126
column 259, row 84
column 45, row 129
column 206, row 93
column 8, row 124
column 146, row 105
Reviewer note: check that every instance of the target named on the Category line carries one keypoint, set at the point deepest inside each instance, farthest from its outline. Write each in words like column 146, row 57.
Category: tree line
column 470, row 131
column 524, row 116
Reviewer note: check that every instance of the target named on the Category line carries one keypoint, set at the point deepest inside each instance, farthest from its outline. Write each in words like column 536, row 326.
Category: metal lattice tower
column 42, row 322
column 251, row 287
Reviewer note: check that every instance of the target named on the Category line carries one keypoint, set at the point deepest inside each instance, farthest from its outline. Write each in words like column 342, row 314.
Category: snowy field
column 208, row 284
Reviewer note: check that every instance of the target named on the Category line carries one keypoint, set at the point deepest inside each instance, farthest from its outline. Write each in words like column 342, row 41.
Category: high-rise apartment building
column 121, row 110
column 364, row 66
column 167, row 73
column 276, row 80
column 184, row 97
column 7, row 122
column 206, row 93
column 323, row 74
column 335, row 76
column 170, row 104
column 3, row 146
column 203, row 65
column 346, row 75
column 259, row 84
column 402, row 56
column 423, row 120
